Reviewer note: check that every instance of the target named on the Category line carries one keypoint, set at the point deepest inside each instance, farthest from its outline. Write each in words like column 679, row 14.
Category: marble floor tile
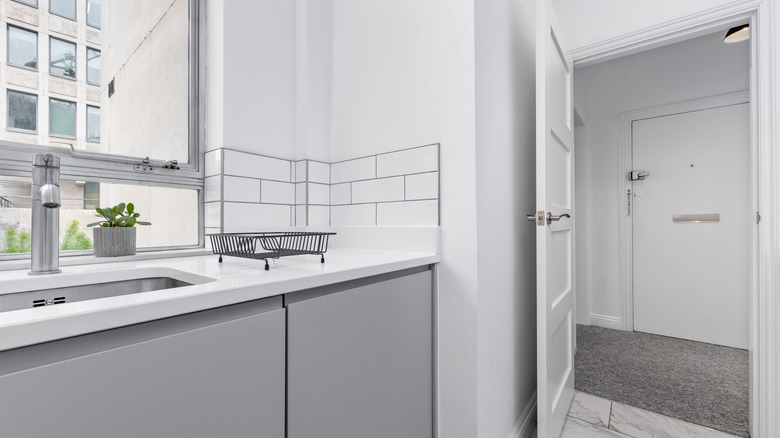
column 640, row 423
column 576, row 428
column 594, row 410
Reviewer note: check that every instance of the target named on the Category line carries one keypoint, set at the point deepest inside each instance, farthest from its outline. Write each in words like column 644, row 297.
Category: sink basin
column 56, row 289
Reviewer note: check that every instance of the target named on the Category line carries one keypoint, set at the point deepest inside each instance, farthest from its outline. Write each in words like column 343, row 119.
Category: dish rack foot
column 322, row 258
column 220, row 259
column 266, row 265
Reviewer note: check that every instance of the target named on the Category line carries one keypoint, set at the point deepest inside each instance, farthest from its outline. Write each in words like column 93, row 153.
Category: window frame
column 75, row 11
column 16, row 158
column 75, row 60
column 8, row 47
column 8, row 113
column 86, row 124
column 86, row 20
column 86, row 74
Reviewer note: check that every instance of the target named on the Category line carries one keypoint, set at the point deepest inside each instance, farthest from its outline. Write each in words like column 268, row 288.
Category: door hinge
column 628, row 198
column 758, row 217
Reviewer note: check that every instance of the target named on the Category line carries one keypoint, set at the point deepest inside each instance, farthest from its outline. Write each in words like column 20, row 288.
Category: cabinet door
column 360, row 362
column 218, row 373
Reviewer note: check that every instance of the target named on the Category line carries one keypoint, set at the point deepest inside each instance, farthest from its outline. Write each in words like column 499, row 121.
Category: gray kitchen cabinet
column 216, row 373
column 360, row 361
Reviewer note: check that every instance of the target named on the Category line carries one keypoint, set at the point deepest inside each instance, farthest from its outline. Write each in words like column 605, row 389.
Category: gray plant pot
column 113, row 241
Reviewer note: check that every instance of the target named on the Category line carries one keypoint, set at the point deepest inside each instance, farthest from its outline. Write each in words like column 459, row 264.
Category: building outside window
column 62, row 118
column 22, row 48
column 149, row 115
column 93, row 66
column 22, row 111
column 62, row 58
column 93, row 123
column 93, row 13
column 33, row 3
column 63, row 8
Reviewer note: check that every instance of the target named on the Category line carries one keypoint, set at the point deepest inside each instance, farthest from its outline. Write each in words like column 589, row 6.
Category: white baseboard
column 527, row 422
column 611, row 322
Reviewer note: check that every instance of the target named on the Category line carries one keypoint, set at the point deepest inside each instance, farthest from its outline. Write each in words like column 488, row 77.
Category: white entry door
column 691, row 225
column 554, row 219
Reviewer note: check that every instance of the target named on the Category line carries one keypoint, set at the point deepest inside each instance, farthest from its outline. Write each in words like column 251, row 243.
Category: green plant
column 75, row 239
column 16, row 242
column 118, row 216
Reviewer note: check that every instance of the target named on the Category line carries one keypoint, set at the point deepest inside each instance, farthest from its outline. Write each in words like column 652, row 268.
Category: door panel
column 554, row 240
column 691, row 279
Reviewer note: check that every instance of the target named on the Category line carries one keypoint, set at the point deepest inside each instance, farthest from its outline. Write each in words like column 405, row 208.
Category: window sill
column 11, row 265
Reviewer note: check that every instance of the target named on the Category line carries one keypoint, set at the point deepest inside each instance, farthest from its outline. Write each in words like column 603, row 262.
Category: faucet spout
column 46, row 200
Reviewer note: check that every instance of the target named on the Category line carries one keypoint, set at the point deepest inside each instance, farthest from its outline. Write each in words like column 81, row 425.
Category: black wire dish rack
column 266, row 246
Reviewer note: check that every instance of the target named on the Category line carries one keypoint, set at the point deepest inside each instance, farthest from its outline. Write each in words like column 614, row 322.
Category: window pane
column 93, row 66
column 62, row 118
column 79, row 199
column 62, row 60
column 93, row 123
column 22, row 48
column 93, row 13
column 22, row 111
column 65, row 8
column 33, row 3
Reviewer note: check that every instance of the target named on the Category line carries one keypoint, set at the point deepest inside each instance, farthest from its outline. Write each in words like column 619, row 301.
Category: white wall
column 403, row 75
column 506, row 242
column 588, row 22
column 693, row 69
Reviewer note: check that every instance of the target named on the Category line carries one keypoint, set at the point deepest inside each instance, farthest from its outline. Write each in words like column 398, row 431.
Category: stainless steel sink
column 81, row 287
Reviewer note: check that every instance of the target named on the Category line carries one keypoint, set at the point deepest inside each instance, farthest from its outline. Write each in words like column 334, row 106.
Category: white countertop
column 236, row 280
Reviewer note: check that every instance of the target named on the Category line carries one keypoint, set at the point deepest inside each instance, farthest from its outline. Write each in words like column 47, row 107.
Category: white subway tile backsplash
column 239, row 189
column 256, row 166
column 319, row 194
column 319, row 215
column 417, row 160
column 319, row 172
column 300, row 171
column 353, row 170
column 378, row 190
column 341, row 194
column 213, row 164
column 213, row 214
column 212, row 188
column 362, row 215
column 422, row 186
column 243, row 217
column 300, row 215
column 274, row 192
column 300, row 194
column 410, row 213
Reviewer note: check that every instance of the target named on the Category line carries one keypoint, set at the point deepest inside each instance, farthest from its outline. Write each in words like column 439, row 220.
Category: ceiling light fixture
column 736, row 34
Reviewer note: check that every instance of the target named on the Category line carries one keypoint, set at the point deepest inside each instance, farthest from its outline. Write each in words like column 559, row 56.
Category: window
column 93, row 66
column 22, row 111
column 63, row 8
column 154, row 112
column 62, row 118
column 62, row 58
column 33, row 3
column 93, row 13
column 22, row 48
column 93, row 123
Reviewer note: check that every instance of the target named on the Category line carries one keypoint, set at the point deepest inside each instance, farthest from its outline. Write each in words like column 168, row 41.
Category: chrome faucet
column 46, row 201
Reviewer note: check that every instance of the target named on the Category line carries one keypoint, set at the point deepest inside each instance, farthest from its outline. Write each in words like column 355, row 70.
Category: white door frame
column 765, row 164
column 626, row 230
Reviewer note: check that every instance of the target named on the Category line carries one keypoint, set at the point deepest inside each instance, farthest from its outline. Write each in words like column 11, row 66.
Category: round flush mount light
column 738, row 33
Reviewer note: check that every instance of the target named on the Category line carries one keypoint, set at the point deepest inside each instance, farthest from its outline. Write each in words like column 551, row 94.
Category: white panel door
column 554, row 238
column 691, row 279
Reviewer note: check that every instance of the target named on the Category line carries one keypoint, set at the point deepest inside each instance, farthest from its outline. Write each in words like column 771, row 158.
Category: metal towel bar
column 701, row 217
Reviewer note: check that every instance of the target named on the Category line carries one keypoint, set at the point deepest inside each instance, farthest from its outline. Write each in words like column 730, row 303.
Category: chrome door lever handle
column 551, row 218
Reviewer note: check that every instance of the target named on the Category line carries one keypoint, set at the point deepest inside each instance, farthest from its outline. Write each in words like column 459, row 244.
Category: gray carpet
column 700, row 383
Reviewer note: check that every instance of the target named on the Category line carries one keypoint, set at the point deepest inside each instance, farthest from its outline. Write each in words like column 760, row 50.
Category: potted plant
column 115, row 233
